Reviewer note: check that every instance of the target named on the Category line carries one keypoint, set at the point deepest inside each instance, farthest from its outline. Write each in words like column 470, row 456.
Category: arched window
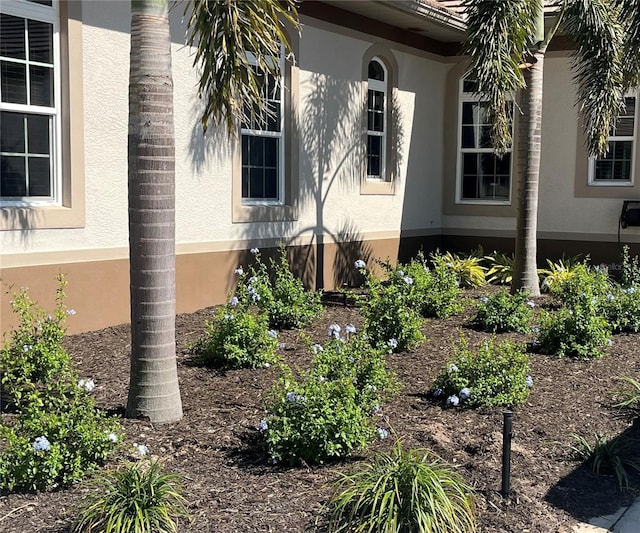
column 377, row 103
column 483, row 177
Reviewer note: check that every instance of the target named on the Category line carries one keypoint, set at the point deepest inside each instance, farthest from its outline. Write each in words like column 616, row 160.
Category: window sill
column 610, row 184
column 483, row 202
column 30, row 217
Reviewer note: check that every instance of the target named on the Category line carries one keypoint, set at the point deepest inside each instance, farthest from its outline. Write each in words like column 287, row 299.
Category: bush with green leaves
column 282, row 295
column 579, row 331
column 237, row 337
column 390, row 321
column 608, row 455
column 468, row 267
column 402, row 491
column 500, row 268
column 326, row 413
column 503, row 311
column 51, row 446
column 630, row 275
column 494, row 375
column 138, row 498
column 586, row 286
column 57, row 435
column 32, row 354
column 558, row 271
column 621, row 307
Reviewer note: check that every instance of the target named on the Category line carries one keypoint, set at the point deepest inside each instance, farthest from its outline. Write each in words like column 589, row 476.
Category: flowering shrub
column 327, row 413
column 494, row 375
column 630, row 270
column 58, row 435
column 621, row 307
column 504, row 312
column 285, row 300
column 580, row 331
column 585, row 286
column 33, row 353
column 315, row 420
column 390, row 321
column 237, row 337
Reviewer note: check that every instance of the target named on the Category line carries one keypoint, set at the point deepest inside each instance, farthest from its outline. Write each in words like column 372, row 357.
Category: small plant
column 237, row 338
column 504, row 312
column 390, row 322
column 607, row 455
column 630, row 269
column 402, row 491
column 500, row 270
column 495, row 375
column 561, row 270
column 630, row 396
column 285, row 300
column 585, row 286
column 578, row 332
column 621, row 307
column 134, row 500
column 469, row 268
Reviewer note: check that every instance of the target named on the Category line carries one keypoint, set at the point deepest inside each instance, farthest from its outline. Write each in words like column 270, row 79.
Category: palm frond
column 630, row 17
column 222, row 34
column 498, row 37
column 595, row 27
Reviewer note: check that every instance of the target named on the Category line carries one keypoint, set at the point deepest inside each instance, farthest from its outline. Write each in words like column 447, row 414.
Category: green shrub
column 390, row 322
column 33, row 354
column 621, row 307
column 500, row 270
column 283, row 297
column 133, row 500
column 504, row 312
column 558, row 272
column 580, row 331
column 607, row 455
column 402, row 491
column 57, row 435
column 495, row 375
column 630, row 275
column 237, row 338
column 314, row 420
column 586, row 286
column 355, row 359
column 468, row 268
column 52, row 448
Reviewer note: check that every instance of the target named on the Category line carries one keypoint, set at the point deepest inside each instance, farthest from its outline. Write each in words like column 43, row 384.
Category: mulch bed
column 231, row 487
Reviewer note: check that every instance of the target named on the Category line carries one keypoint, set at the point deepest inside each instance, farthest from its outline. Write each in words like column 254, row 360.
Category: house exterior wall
column 337, row 219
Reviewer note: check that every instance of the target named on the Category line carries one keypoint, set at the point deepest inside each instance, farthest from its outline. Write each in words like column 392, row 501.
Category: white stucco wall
column 328, row 61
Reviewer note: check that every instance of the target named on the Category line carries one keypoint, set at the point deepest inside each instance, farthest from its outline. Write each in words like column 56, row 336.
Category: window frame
column 51, row 15
column 280, row 135
column 466, row 97
column 591, row 179
column 381, row 86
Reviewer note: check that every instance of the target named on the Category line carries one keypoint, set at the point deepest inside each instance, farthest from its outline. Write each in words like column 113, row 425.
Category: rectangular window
column 484, row 176
column 29, row 110
column 616, row 166
column 375, row 134
column 263, row 146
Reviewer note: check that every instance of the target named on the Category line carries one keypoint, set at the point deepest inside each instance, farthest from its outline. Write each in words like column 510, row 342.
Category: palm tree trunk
column 528, row 145
column 153, row 382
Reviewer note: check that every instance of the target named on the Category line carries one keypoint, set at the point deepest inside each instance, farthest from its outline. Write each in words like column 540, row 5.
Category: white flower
column 141, row 449
column 71, row 311
column 408, row 280
column 266, row 365
column 26, row 348
column 253, row 279
column 609, row 342
column 234, row 301
column 465, row 393
column 87, row 384
column 382, row 433
column 453, row 401
column 317, row 348
column 400, row 273
column 254, row 250
column 41, row 444
column 334, row 331
column 350, row 328
column 113, row 437
column 263, row 426
column 272, row 333
column 529, row 381
column 484, row 299
column 531, row 303
column 360, row 264
column 239, row 271
column 453, row 368
column 393, row 344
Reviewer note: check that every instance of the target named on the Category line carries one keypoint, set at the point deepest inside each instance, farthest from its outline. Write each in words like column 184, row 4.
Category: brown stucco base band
column 99, row 291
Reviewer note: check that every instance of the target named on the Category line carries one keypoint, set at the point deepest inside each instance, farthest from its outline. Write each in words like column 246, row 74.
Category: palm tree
column 506, row 43
column 222, row 33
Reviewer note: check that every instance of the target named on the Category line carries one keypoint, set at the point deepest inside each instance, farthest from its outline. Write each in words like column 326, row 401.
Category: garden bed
column 232, row 487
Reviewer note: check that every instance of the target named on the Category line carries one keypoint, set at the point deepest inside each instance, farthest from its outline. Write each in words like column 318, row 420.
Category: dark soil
column 231, row 487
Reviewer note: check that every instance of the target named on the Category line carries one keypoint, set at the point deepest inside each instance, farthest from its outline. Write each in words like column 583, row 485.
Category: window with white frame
column 29, row 108
column 263, row 143
column 376, row 119
column 483, row 177
column 616, row 166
